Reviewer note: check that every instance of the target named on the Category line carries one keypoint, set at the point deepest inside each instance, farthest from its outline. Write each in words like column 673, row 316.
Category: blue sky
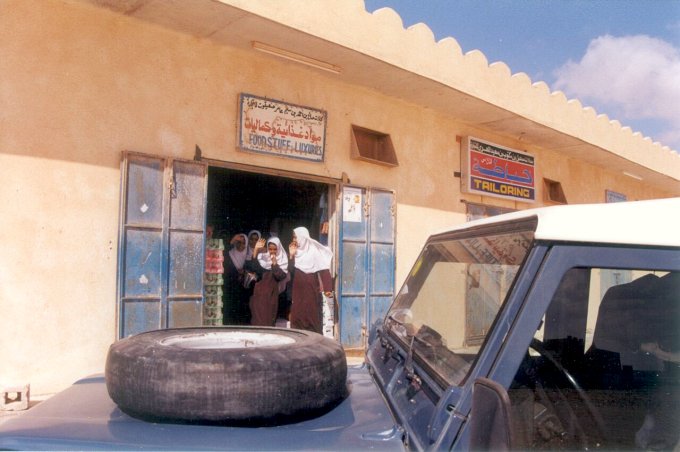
column 621, row 57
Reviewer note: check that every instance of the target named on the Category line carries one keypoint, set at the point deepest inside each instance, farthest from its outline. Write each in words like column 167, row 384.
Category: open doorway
column 240, row 201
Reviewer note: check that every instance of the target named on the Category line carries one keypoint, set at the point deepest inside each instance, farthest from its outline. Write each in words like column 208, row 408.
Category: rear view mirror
column 490, row 418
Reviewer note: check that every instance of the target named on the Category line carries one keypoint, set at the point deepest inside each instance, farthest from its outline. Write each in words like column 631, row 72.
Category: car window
column 603, row 370
column 451, row 297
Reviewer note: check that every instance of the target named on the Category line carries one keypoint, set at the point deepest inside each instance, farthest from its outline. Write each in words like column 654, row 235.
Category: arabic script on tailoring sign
column 501, row 172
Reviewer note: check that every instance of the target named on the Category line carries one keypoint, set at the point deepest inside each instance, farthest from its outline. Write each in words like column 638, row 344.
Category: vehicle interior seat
column 624, row 379
column 622, row 327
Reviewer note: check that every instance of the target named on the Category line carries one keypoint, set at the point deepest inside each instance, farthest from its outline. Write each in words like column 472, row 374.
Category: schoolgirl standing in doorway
column 310, row 273
column 272, row 265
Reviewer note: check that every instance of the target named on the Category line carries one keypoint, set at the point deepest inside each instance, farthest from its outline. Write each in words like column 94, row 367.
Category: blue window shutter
column 367, row 261
column 161, row 243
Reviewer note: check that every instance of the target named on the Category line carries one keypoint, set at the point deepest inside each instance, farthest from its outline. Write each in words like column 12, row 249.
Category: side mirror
column 490, row 417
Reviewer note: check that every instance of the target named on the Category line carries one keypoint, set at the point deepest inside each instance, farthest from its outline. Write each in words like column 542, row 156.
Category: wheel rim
column 227, row 340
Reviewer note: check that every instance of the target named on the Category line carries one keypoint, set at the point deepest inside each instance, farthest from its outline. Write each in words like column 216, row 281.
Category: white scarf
column 238, row 258
column 311, row 256
column 281, row 257
column 249, row 250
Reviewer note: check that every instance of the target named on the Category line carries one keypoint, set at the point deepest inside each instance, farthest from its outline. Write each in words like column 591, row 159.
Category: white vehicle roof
column 654, row 222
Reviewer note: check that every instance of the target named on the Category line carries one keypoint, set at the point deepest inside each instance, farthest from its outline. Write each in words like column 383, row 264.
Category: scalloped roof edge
column 412, row 49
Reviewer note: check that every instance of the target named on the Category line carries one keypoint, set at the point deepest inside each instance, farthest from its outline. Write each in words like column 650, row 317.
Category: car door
column 579, row 367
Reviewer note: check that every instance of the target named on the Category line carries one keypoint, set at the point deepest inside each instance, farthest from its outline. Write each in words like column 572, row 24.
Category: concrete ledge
column 15, row 398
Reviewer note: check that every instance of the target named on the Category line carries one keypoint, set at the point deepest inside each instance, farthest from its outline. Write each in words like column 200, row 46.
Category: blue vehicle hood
column 84, row 417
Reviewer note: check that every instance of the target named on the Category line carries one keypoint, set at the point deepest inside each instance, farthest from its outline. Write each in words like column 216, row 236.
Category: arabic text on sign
column 282, row 129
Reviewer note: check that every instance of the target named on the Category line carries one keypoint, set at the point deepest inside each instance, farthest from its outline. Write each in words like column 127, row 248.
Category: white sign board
column 273, row 127
column 351, row 205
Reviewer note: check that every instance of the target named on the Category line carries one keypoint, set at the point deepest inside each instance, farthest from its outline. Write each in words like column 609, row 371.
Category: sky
column 621, row 57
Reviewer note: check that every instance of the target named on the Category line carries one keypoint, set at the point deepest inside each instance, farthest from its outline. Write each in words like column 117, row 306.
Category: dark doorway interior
column 239, row 202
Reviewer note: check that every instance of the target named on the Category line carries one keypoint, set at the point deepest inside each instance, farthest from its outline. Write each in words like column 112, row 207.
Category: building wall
column 79, row 84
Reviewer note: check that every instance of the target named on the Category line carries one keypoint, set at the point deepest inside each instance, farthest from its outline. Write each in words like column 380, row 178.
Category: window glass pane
column 449, row 301
column 603, row 371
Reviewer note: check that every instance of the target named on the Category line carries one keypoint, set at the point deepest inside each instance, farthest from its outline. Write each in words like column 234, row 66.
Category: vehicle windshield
column 451, row 297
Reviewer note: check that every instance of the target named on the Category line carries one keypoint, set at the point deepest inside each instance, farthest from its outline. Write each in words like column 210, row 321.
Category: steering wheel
column 557, row 417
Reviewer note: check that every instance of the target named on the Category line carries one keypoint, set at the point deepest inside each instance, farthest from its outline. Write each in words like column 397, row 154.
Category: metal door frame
column 334, row 186
column 334, row 190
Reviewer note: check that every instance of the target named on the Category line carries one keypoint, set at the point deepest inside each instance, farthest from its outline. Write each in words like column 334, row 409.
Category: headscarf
column 249, row 250
column 311, row 256
column 265, row 261
column 239, row 257
column 281, row 257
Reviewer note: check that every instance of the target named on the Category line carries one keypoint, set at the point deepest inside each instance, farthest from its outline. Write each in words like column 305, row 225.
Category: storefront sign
column 492, row 170
column 279, row 128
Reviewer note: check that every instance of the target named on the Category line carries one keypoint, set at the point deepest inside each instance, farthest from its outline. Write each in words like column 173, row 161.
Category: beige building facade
column 88, row 86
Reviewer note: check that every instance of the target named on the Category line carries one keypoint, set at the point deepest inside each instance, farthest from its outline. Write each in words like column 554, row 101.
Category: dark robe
column 235, row 307
column 305, row 312
column 264, row 303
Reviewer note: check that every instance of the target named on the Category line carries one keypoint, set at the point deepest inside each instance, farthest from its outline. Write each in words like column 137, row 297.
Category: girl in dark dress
column 310, row 273
column 249, row 273
column 272, row 264
column 235, row 306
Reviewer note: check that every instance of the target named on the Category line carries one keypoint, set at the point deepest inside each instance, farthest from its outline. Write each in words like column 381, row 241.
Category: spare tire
column 226, row 374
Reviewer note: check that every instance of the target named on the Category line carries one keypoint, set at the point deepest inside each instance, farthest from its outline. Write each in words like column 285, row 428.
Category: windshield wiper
column 429, row 337
column 405, row 328
column 394, row 319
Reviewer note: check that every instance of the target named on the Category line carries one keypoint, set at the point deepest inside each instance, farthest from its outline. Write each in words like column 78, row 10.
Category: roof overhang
column 502, row 104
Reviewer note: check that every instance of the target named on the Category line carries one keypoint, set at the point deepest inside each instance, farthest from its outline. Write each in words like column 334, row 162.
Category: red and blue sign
column 493, row 170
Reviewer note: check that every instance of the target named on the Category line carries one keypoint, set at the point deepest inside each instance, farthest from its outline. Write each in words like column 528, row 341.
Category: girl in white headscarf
column 272, row 264
column 310, row 272
column 238, row 251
